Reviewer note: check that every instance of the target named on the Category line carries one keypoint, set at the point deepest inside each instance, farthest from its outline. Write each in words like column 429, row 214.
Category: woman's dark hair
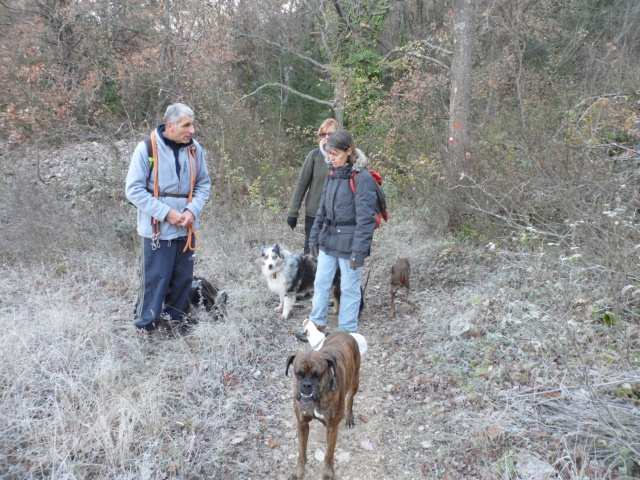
column 342, row 140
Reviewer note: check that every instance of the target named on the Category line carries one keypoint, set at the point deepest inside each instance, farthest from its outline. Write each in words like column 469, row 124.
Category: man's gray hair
column 176, row 111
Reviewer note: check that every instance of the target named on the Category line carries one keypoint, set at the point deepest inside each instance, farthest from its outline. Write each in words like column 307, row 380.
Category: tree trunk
column 339, row 99
column 460, row 106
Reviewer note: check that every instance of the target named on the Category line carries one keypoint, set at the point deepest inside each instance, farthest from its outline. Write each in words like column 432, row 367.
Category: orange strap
column 193, row 167
column 155, row 225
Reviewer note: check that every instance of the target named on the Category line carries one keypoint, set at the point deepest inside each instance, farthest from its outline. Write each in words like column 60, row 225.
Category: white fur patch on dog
column 316, row 338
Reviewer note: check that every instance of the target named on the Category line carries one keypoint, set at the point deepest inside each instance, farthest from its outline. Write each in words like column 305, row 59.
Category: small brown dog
column 327, row 381
column 399, row 278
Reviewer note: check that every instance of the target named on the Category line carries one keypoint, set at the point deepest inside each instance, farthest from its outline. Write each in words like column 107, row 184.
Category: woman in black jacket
column 343, row 230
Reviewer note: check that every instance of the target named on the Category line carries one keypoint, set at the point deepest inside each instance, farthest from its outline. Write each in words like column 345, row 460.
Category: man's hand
column 187, row 219
column 174, row 217
column 292, row 221
column 314, row 250
column 355, row 264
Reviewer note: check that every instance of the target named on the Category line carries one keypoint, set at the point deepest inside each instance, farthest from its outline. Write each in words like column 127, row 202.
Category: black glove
column 292, row 221
column 314, row 250
column 354, row 264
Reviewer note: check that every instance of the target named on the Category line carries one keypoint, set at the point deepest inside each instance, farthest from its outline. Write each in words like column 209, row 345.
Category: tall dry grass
column 547, row 372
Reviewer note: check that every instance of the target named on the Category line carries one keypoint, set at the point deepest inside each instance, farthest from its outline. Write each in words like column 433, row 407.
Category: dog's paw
column 350, row 423
column 334, row 311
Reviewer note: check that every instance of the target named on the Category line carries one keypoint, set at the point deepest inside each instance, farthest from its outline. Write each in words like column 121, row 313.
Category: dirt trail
column 397, row 430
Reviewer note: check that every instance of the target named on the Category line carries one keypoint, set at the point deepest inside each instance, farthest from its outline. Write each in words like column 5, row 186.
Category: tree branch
column 290, row 90
column 321, row 66
column 343, row 17
column 435, row 47
column 416, row 55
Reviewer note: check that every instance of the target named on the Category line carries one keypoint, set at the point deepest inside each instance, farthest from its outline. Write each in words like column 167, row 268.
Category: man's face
column 181, row 131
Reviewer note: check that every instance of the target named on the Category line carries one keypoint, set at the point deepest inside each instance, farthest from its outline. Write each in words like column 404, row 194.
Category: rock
column 532, row 468
column 404, row 308
column 367, row 445
column 464, row 325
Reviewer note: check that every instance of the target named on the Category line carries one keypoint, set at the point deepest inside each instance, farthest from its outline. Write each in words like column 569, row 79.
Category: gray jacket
column 140, row 180
column 345, row 222
column 310, row 182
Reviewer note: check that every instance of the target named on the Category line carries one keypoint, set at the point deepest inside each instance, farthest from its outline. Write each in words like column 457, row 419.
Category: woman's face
column 326, row 133
column 339, row 157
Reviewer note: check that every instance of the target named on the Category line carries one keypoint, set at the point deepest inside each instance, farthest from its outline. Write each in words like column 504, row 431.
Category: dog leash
column 155, row 224
column 193, row 165
column 366, row 282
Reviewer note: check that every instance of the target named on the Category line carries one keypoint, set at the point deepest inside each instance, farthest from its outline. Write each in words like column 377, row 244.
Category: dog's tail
column 362, row 342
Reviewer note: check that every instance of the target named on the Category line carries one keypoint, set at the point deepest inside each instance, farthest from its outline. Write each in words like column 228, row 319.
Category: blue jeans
column 350, row 286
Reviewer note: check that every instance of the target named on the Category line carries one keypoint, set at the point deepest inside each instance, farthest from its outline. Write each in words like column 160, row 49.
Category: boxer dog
column 316, row 338
column 399, row 278
column 324, row 380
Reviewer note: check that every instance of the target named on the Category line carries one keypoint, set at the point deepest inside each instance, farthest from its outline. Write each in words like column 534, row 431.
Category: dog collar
column 327, row 385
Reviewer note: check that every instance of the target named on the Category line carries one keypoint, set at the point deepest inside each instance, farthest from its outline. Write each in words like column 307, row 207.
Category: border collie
column 287, row 274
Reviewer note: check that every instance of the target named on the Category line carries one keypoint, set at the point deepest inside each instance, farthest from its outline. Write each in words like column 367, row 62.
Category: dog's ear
column 332, row 366
column 276, row 249
column 289, row 362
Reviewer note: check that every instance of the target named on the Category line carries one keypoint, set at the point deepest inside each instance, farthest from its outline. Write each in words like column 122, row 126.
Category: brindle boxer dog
column 324, row 379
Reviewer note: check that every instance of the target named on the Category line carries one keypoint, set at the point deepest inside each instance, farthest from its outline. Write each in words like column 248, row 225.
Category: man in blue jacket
column 167, row 215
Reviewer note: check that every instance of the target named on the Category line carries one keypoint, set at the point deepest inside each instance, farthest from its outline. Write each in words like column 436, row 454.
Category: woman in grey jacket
column 342, row 232
column 310, row 182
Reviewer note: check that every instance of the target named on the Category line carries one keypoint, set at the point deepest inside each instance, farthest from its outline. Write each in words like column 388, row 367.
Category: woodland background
column 529, row 219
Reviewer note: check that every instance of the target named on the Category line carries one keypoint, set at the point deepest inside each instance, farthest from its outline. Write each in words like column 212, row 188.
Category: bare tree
column 460, row 106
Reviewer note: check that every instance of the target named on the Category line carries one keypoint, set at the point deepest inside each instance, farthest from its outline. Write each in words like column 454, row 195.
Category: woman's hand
column 355, row 264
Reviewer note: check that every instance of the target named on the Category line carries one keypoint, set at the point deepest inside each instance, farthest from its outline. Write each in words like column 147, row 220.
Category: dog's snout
column 306, row 387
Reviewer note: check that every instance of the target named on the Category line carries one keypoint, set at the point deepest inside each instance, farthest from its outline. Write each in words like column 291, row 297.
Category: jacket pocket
column 345, row 238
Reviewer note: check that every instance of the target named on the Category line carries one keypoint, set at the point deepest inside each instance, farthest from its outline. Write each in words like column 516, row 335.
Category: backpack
column 380, row 208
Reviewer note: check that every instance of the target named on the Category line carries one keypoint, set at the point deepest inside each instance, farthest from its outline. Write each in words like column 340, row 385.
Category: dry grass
column 82, row 396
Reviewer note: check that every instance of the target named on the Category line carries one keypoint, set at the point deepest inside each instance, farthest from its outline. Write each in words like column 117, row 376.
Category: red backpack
column 381, row 198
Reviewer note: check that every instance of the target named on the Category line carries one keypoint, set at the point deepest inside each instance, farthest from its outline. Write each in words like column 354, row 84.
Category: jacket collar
column 361, row 161
column 170, row 143
column 324, row 152
column 357, row 166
